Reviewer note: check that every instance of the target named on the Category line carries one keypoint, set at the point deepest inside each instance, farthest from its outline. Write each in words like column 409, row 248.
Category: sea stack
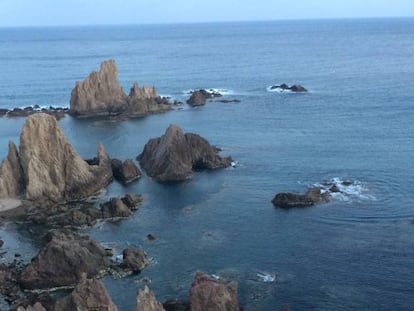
column 48, row 167
column 174, row 156
column 101, row 94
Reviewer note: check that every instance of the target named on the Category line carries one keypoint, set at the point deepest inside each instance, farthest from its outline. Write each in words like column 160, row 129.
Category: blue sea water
column 356, row 123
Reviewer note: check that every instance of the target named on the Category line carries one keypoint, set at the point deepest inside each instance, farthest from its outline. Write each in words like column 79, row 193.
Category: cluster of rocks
column 296, row 88
column 57, row 112
column 67, row 259
column 199, row 97
column 313, row 196
column 101, row 94
column 174, row 156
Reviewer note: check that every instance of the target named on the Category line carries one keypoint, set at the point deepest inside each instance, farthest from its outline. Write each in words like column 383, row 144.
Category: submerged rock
column 63, row 260
column 297, row 88
column 101, row 94
column 89, row 294
column 173, row 156
column 146, row 301
column 47, row 166
column 207, row 293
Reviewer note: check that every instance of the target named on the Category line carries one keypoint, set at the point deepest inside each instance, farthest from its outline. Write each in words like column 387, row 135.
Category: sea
column 355, row 124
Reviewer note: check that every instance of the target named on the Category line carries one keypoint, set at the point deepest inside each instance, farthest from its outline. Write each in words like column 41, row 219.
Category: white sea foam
column 346, row 190
column 211, row 90
column 277, row 90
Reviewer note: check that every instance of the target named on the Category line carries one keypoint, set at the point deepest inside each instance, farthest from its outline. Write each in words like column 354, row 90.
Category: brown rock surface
column 146, row 301
column 11, row 174
column 52, row 168
column 173, row 156
column 63, row 260
column 101, row 94
column 89, row 294
column 208, row 294
column 311, row 197
column 125, row 172
column 134, row 259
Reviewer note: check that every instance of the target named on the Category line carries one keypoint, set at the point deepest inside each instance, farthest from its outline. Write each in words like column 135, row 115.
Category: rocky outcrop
column 146, row 301
column 173, row 156
column 11, row 174
column 199, row 97
column 63, row 260
column 101, row 94
column 89, row 294
column 57, row 112
column 36, row 307
column 297, row 88
column 51, row 167
column 125, row 172
column 210, row 294
column 312, row 197
column 134, row 260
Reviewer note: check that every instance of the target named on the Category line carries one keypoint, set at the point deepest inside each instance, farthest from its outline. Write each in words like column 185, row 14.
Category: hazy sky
column 93, row 12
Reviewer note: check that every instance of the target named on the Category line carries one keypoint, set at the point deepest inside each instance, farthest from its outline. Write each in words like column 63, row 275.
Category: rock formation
column 125, row 172
column 311, row 197
column 199, row 97
column 134, row 259
column 11, row 174
column 146, row 301
column 101, row 94
column 51, row 167
column 63, row 260
column 297, row 88
column 89, row 294
column 210, row 294
column 173, row 156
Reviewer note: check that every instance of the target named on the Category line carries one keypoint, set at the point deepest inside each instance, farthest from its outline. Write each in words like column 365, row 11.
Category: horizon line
column 206, row 22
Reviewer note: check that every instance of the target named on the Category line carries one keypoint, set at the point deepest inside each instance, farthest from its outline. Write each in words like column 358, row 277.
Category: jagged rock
column 125, row 172
column 62, row 261
column 134, row 259
column 132, row 201
column 146, row 301
column 89, row 294
column 173, row 156
column 52, row 168
column 210, row 294
column 311, row 197
column 11, row 174
column 101, row 94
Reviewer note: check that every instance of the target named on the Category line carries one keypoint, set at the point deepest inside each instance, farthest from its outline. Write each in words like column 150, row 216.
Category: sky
column 16, row 13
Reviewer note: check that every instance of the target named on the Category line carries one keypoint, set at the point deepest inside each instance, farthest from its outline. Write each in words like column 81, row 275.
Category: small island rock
column 125, row 172
column 173, row 156
column 146, row 301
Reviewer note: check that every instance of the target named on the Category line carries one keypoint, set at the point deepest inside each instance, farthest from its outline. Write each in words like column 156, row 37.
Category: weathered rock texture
column 101, row 94
column 63, row 260
column 125, row 172
column 312, row 197
column 89, row 294
column 134, row 259
column 11, row 174
column 48, row 167
column 210, row 294
column 146, row 301
column 173, row 156
column 36, row 307
column 297, row 88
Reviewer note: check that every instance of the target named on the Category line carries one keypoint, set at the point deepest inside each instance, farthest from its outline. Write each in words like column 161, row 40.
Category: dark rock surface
column 173, row 156
column 57, row 112
column 101, row 94
column 125, row 172
column 134, row 260
column 199, row 97
column 210, row 294
column 297, row 88
column 312, row 197
column 176, row 305
column 63, row 260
